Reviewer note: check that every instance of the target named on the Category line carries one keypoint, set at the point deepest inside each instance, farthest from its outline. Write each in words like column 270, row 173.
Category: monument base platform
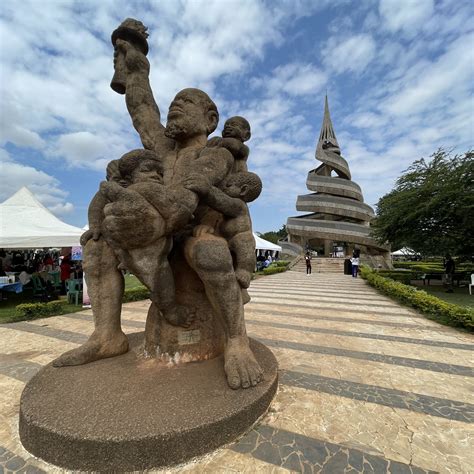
column 129, row 413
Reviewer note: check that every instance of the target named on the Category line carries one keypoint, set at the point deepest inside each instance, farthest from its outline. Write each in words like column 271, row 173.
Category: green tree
column 431, row 208
column 274, row 236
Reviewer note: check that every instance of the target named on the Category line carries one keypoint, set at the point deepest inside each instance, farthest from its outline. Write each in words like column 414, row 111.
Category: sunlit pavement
column 365, row 384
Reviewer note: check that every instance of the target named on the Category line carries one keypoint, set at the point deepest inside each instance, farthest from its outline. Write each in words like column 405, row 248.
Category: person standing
column 449, row 269
column 355, row 266
column 65, row 267
column 307, row 259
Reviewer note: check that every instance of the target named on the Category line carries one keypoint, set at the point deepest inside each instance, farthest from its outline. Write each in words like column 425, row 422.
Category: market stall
column 26, row 223
column 264, row 247
column 31, row 242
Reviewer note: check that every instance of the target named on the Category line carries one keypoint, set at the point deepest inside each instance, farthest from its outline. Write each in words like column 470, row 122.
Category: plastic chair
column 39, row 288
column 74, row 290
column 56, row 280
column 471, row 284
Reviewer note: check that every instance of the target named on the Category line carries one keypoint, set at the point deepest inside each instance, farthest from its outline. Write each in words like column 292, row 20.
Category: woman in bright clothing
column 355, row 266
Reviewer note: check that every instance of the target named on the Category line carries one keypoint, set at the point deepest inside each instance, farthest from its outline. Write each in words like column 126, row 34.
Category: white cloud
column 46, row 188
column 351, row 54
column 406, row 15
column 85, row 150
column 12, row 129
column 436, row 82
column 294, row 79
column 406, row 88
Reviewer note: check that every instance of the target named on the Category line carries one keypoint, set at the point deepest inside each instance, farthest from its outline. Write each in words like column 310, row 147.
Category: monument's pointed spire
column 327, row 130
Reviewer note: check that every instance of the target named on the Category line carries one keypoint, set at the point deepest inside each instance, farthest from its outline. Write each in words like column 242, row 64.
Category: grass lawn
column 131, row 281
column 7, row 307
column 460, row 296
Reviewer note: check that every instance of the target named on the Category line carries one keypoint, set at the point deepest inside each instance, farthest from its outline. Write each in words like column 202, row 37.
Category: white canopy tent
column 261, row 244
column 405, row 251
column 26, row 223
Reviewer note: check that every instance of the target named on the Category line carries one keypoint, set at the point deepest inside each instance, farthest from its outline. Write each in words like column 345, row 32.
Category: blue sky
column 399, row 76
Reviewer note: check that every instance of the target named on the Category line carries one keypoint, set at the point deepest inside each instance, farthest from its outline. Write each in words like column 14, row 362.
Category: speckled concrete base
column 129, row 413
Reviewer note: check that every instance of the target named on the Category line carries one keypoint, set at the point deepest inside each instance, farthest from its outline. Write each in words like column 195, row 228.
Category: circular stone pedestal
column 129, row 413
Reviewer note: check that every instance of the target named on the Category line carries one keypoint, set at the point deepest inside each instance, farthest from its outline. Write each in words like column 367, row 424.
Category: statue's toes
column 244, row 377
column 233, row 376
column 255, row 374
column 94, row 350
column 79, row 356
column 243, row 373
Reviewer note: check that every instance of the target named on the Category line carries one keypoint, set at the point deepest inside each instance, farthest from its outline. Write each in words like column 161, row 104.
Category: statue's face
column 236, row 128
column 187, row 116
column 232, row 189
column 146, row 172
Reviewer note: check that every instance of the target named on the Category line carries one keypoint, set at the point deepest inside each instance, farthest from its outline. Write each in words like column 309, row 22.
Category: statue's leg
column 242, row 246
column 105, row 285
column 150, row 264
column 210, row 258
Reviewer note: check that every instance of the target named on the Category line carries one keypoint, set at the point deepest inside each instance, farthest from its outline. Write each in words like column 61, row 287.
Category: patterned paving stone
column 432, row 406
column 299, row 453
column 346, row 309
column 307, row 428
column 386, row 359
column 47, row 331
column 381, row 337
column 341, row 319
column 20, row 370
column 11, row 463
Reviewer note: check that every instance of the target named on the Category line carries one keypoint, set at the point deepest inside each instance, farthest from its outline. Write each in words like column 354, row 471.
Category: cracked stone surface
column 366, row 386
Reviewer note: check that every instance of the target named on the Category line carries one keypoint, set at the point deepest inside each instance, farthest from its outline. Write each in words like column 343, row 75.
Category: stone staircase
column 322, row 265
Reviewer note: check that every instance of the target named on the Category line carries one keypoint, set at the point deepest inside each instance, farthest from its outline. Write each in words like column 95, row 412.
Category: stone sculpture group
column 175, row 215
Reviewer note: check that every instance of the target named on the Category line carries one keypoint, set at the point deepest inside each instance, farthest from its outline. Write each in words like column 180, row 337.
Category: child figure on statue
column 139, row 171
column 236, row 131
column 236, row 227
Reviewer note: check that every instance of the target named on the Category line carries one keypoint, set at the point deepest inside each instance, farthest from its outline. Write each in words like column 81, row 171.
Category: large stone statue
column 175, row 215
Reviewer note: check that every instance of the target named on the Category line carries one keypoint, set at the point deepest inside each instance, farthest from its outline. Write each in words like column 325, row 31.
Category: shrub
column 39, row 310
column 429, row 305
column 273, row 269
column 404, row 277
column 28, row 311
column 136, row 294
column 433, row 267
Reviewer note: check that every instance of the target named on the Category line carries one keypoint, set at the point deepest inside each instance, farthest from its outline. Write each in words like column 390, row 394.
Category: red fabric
column 65, row 268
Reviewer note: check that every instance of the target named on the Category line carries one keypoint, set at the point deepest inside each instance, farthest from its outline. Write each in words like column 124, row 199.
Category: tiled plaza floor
column 365, row 384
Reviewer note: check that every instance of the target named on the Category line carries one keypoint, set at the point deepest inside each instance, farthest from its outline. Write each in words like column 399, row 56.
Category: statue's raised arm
column 131, row 78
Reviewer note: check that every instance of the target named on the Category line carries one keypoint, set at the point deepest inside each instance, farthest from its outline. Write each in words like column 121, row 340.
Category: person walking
column 355, row 266
column 307, row 259
column 449, row 269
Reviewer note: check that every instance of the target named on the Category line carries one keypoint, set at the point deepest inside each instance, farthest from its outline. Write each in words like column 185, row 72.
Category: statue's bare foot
column 241, row 368
column 94, row 349
column 179, row 316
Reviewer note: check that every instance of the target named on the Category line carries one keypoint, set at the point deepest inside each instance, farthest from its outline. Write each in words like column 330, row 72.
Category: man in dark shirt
column 449, row 269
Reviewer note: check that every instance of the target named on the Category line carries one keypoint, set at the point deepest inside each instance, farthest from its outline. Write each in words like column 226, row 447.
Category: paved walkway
column 365, row 385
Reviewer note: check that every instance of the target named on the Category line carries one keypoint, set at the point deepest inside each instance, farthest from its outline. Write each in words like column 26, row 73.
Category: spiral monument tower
column 338, row 217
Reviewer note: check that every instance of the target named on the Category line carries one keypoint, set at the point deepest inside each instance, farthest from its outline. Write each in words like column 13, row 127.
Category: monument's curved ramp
column 337, row 207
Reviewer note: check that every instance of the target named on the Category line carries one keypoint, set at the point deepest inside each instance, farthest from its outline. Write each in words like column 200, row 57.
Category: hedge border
column 429, row 305
column 29, row 311
column 276, row 267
